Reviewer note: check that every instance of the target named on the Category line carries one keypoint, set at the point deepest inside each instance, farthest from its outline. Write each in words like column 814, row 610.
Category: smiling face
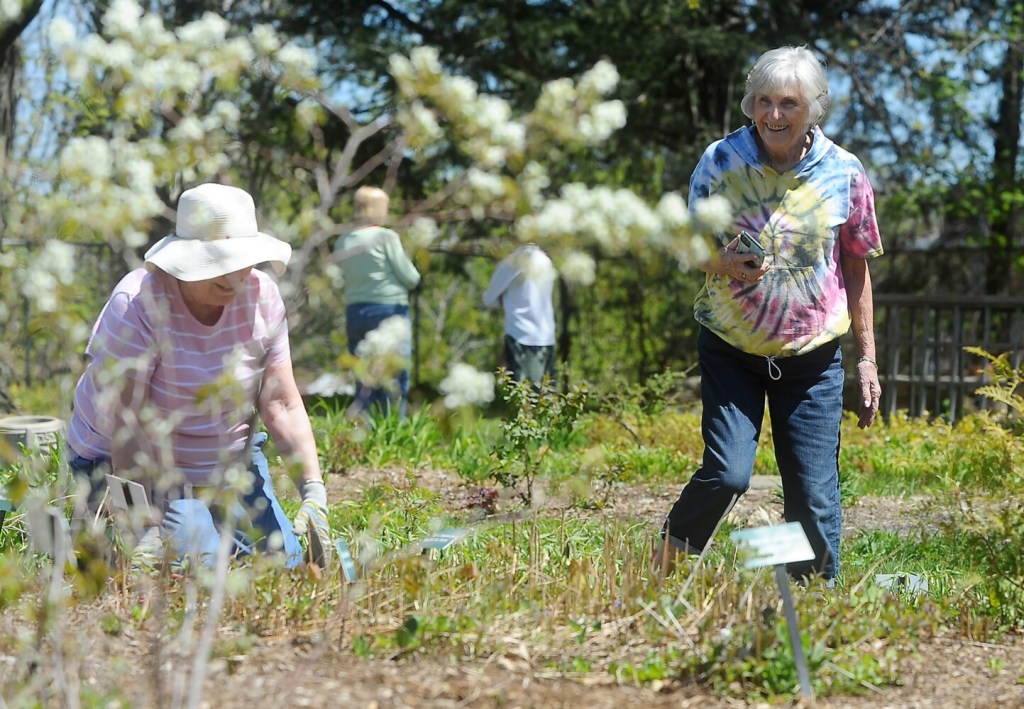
column 782, row 119
column 206, row 299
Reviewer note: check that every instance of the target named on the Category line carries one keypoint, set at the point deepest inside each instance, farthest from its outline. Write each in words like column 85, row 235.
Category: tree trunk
column 10, row 66
column 1006, row 225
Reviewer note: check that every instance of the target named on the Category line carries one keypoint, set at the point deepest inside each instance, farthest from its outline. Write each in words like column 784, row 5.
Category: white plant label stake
column 348, row 564
column 777, row 546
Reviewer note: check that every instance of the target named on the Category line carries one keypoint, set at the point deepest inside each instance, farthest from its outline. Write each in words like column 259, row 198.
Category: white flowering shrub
column 512, row 158
column 157, row 109
column 152, row 110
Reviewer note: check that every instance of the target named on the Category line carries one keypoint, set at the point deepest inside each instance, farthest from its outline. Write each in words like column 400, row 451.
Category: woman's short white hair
column 371, row 205
column 777, row 69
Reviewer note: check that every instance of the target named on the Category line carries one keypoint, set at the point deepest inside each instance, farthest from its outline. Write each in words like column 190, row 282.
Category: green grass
column 573, row 585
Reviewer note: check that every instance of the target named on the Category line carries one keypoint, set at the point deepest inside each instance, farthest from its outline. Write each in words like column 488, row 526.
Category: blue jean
column 360, row 320
column 805, row 402
column 193, row 527
column 530, row 362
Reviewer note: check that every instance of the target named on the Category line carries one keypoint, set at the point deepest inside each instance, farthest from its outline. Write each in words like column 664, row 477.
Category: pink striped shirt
column 201, row 380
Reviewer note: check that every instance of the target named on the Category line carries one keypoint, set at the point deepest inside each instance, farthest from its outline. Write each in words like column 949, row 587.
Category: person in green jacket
column 378, row 277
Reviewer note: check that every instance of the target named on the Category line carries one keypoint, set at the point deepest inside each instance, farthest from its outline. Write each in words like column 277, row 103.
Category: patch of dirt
column 309, row 671
column 945, row 672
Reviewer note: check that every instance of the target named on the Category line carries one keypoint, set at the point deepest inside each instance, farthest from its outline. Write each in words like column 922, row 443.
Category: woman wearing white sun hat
column 183, row 357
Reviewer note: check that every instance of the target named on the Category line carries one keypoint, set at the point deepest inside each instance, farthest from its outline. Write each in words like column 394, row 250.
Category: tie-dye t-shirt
column 805, row 218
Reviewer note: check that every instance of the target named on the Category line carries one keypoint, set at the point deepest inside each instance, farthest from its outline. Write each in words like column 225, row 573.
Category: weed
column 540, row 421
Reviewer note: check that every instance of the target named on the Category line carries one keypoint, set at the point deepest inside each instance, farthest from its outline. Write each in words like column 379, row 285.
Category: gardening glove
column 311, row 521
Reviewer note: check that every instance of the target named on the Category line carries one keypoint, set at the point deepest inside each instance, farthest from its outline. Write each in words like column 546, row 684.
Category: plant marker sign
column 127, row 494
column 5, row 507
column 50, row 533
column 130, row 504
column 348, row 564
column 440, row 541
column 777, row 546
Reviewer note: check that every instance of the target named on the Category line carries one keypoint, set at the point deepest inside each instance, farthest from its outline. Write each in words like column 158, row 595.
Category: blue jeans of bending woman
column 192, row 526
column 360, row 320
column 805, row 402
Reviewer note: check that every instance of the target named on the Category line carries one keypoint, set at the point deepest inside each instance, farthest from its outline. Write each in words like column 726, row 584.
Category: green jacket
column 375, row 267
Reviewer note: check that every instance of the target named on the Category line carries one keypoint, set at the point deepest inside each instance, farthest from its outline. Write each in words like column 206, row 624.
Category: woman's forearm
column 861, row 304
column 285, row 417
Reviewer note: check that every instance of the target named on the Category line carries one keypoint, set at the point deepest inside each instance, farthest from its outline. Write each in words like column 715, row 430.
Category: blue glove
column 311, row 522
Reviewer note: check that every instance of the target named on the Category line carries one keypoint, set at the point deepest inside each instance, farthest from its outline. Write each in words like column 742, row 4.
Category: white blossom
column 228, row 113
column 556, row 218
column 713, row 213
column 93, row 47
column 120, row 55
column 604, row 119
column 402, row 71
column 455, row 93
column 10, row 10
column 152, row 34
column 61, row 33
column 420, row 125
column 486, row 185
column 466, row 386
column 390, row 338
column 601, row 79
column 579, row 268
column 491, row 112
column 511, row 135
column 296, row 61
column 264, row 39
column 529, row 263
column 533, row 181
column 184, row 76
column 54, row 265
column 672, row 210
column 234, row 56
column 133, row 238
column 557, row 93
column 308, row 113
column 208, row 31
column 189, row 129
column 122, row 17
column 698, row 252
column 422, row 232
column 490, row 156
column 89, row 155
column 425, row 62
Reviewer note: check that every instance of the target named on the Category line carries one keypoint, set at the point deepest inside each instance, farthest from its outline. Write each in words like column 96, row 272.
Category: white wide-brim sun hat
column 215, row 234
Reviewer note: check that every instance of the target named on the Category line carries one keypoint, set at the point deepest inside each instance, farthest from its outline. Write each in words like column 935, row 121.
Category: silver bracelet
column 865, row 358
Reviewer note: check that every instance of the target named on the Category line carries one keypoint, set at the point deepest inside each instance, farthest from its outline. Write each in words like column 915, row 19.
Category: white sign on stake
column 444, row 539
column 127, row 494
column 348, row 564
column 769, row 546
column 777, row 546
column 50, row 533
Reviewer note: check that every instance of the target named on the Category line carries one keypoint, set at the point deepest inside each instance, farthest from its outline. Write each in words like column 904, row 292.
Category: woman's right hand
column 740, row 267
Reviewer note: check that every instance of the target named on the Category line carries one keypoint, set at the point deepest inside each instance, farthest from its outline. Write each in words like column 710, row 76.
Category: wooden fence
column 920, row 340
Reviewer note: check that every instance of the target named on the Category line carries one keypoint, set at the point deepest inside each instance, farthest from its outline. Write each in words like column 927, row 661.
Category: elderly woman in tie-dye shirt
column 771, row 322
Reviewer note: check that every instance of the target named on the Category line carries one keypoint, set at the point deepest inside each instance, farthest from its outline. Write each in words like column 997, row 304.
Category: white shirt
column 523, row 283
